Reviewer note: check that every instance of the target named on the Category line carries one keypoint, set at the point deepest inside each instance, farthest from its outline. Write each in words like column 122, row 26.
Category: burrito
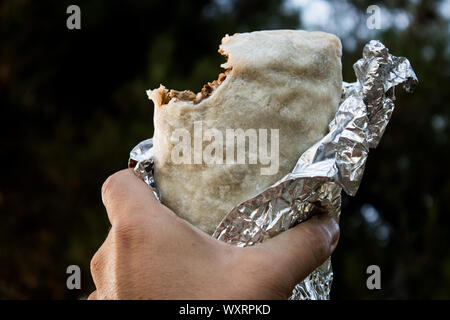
column 246, row 130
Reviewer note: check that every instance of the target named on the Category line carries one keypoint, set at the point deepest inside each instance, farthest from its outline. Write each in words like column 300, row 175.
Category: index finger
column 125, row 196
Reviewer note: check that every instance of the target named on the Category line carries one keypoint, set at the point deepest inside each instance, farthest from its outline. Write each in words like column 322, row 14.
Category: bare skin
column 151, row 253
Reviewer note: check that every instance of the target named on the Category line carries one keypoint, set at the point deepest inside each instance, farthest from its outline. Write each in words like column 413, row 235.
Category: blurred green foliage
column 73, row 105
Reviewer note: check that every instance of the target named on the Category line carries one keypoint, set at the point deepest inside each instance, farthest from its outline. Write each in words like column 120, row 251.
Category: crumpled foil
column 334, row 163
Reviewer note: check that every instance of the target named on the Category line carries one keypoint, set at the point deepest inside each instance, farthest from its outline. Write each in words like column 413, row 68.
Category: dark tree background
column 73, row 104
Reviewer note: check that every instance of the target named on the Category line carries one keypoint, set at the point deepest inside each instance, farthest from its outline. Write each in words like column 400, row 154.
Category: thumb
column 295, row 253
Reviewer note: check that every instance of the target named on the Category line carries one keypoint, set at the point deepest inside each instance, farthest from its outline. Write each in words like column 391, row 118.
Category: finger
column 99, row 261
column 295, row 253
column 126, row 197
column 93, row 295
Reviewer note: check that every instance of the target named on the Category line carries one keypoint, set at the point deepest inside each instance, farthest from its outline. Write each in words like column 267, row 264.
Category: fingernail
column 333, row 228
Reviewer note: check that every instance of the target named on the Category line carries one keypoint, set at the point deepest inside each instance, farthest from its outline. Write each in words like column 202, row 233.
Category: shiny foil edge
column 334, row 163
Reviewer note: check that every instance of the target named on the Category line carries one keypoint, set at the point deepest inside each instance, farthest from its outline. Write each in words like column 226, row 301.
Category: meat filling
column 188, row 95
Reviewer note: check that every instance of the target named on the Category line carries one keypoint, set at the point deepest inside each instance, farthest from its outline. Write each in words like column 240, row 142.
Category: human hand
column 151, row 253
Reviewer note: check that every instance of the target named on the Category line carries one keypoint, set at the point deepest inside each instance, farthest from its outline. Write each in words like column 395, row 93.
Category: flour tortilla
column 283, row 79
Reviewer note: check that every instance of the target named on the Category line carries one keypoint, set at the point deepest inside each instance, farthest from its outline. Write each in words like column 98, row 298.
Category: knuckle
column 96, row 262
column 252, row 263
column 124, row 229
column 109, row 184
column 128, row 233
column 261, row 277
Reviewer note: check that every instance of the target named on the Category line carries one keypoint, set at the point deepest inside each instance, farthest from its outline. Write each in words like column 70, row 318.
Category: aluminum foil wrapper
column 333, row 164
